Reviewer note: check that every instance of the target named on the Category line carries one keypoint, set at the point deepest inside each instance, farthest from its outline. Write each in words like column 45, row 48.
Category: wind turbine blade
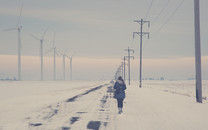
column 73, row 54
column 66, row 50
column 10, row 29
column 34, row 37
column 44, row 33
column 19, row 16
column 49, row 51
column 67, row 56
column 57, row 53
column 60, row 53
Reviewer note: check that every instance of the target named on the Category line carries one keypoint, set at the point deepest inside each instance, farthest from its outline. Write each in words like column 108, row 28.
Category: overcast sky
column 102, row 29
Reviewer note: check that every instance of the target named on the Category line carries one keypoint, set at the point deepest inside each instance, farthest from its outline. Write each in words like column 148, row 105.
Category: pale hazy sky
column 102, row 29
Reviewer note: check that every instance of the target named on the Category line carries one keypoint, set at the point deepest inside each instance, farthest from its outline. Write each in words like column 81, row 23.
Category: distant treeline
column 8, row 79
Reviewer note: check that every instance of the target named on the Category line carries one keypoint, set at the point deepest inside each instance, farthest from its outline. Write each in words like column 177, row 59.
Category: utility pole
column 141, row 33
column 124, row 68
column 129, row 57
column 197, row 51
column 119, row 71
column 116, row 75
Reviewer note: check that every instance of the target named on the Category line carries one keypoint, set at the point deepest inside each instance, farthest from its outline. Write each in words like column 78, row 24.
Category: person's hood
column 120, row 81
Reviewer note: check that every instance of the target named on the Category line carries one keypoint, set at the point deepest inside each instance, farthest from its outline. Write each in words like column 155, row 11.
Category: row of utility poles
column 121, row 70
column 140, row 33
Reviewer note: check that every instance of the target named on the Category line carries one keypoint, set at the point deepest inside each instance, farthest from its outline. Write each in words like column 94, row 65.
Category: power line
column 150, row 6
column 169, row 18
column 161, row 11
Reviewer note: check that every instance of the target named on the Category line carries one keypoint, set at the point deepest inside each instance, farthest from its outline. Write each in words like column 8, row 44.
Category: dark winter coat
column 119, row 87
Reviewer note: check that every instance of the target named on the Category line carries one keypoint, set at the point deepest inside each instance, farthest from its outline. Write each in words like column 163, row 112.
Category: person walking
column 119, row 87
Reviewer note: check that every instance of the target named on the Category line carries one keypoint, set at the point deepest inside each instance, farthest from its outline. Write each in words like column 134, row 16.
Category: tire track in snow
column 102, row 117
column 81, row 113
column 52, row 113
column 85, row 93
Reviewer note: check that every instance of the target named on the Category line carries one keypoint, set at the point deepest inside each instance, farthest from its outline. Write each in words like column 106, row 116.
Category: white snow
column 75, row 105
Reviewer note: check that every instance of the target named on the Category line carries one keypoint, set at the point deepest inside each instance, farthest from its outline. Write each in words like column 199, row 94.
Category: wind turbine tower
column 54, row 55
column 71, row 65
column 64, row 67
column 18, row 28
column 41, row 51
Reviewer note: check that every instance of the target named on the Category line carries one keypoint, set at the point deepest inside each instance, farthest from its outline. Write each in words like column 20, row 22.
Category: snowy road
column 144, row 109
column 92, row 106
column 89, row 109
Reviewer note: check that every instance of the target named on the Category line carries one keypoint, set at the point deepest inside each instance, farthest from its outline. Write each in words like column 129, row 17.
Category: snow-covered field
column 81, row 105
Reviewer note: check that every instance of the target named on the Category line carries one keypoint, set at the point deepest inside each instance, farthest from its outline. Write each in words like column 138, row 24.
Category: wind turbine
column 18, row 28
column 64, row 68
column 41, row 50
column 71, row 65
column 54, row 54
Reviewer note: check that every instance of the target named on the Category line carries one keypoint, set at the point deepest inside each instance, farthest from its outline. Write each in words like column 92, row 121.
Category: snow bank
column 163, row 105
